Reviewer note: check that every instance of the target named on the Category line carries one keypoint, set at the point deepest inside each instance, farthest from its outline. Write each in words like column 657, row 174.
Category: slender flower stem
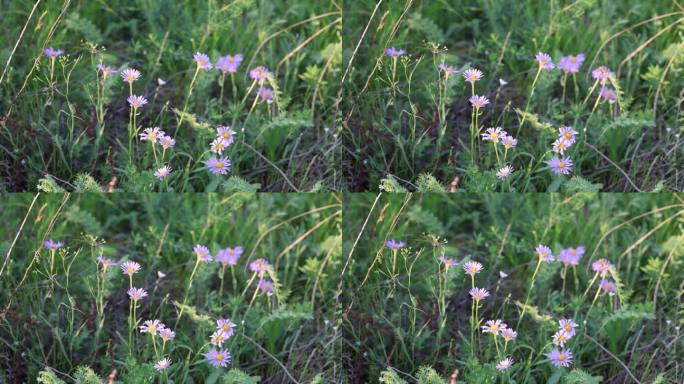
column 221, row 277
column 187, row 291
column 223, row 80
column 527, row 106
column 527, row 297
column 187, row 99
column 565, row 78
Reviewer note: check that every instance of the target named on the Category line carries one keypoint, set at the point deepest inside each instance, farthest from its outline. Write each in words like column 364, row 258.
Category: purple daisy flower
column 220, row 165
column 608, row 94
column 167, row 334
column 509, row 334
column 472, row 75
column 106, row 263
column 137, row 294
column 393, row 52
column 130, row 75
column 226, row 134
column 448, row 69
column 260, row 74
column 568, row 134
column 218, row 145
column 478, row 101
column 167, row 141
column 568, row 326
column 602, row 74
column 51, row 52
column 571, row 64
column 608, row 286
column 560, row 145
column 136, row 101
column 571, row 256
column 509, row 141
column 394, row 245
column 560, row 338
column 218, row 338
column 218, row 358
column 266, row 287
column 478, row 294
column 561, row 357
column 544, row 253
column 602, row 266
column 561, row 165
column 494, row 134
column 202, row 253
column 162, row 172
column 229, row 63
column 162, row 364
column 152, row 134
column 544, row 61
column 266, row 94
column 504, row 172
column 448, row 262
column 229, row 256
column 227, row 326
column 106, row 70
column 259, row 266
column 494, row 327
column 472, row 268
column 51, row 244
column 203, row 61
column 152, row 327
column 504, row 364
column 130, row 267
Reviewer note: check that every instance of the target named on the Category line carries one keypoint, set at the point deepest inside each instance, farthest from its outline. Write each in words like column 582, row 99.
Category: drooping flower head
column 494, row 327
column 229, row 256
column 51, row 52
column 448, row 69
column 560, row 338
column 608, row 94
column 162, row 172
column 478, row 101
column 105, row 262
column 202, row 61
column 447, row 261
column 266, row 287
column 509, row 141
column 227, row 134
column 394, row 245
column 561, row 165
column 608, row 286
column 478, row 294
column 260, row 74
column 136, row 101
column 602, row 266
column 568, row 326
column 560, row 145
column 130, row 75
column 152, row 134
column 509, row 334
column 571, row 64
column 220, row 165
column 505, row 172
column 504, row 364
column 602, row 74
column 227, row 326
column 167, row 334
column 202, row 253
column 494, row 134
column 393, row 52
column 561, row 357
column 544, row 253
column 152, row 327
column 260, row 266
column 106, row 70
column 544, row 61
column 218, row 338
column 167, row 141
column 218, row 358
column 51, row 244
column 229, row 63
column 472, row 267
column 472, row 75
column 266, row 94
column 571, row 256
column 130, row 267
column 568, row 134
column 162, row 364
column 136, row 294
column 218, row 145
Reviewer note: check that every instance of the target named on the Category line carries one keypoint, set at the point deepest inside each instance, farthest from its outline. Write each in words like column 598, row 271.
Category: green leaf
column 578, row 376
column 236, row 376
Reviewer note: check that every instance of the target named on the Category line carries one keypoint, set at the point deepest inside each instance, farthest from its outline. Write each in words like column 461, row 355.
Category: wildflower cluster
column 219, row 357
column 156, row 328
column 498, row 328
column 562, row 356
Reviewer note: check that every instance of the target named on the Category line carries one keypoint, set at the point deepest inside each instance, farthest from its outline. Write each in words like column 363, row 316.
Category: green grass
column 402, row 120
column 59, row 124
column 60, row 312
column 404, row 312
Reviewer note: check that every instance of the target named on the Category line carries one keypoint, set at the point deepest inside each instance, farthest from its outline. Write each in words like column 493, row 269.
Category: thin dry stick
column 306, row 234
column 662, row 78
column 9, row 59
column 272, row 165
column 648, row 234
column 21, row 227
column 662, row 272
column 613, row 163
column 305, row 42
column 272, row 357
column 645, row 44
column 613, row 356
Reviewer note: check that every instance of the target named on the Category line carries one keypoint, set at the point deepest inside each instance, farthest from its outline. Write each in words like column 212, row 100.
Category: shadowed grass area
column 404, row 118
column 406, row 309
column 63, row 309
column 61, row 119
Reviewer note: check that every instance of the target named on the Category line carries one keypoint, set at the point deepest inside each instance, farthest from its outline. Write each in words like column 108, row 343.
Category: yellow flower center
column 219, row 165
column 152, row 327
column 226, row 135
column 561, row 165
column 219, row 357
column 568, row 135
column 472, row 77
column 129, row 270
column 561, row 357
column 494, row 135
column 494, row 327
column 568, row 328
column 231, row 59
column 200, row 62
column 543, row 62
column 573, row 58
column 129, row 77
